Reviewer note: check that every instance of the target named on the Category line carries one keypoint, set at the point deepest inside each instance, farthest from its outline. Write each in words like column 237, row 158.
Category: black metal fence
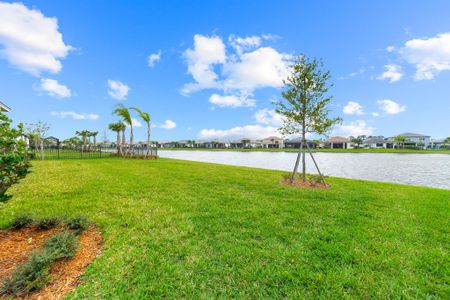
column 58, row 151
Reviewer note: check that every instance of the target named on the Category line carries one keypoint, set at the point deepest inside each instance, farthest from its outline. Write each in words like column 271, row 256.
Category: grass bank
column 317, row 150
column 180, row 229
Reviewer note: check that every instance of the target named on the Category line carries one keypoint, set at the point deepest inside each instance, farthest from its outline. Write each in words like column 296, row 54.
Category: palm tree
column 400, row 140
column 84, row 134
column 94, row 134
column 146, row 118
column 118, row 128
column 124, row 113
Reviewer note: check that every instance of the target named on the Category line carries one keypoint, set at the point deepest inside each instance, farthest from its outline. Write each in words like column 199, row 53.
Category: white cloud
column 375, row 114
column 168, row 124
column 240, row 73
column 429, row 55
column 154, row 58
column 117, row 89
column 136, row 122
column 393, row 73
column 74, row 115
column 242, row 44
column 268, row 117
column 54, row 88
column 231, row 100
column 30, row 41
column 207, row 52
column 247, row 131
column 355, row 128
column 390, row 107
column 353, row 108
column 263, row 67
column 390, row 48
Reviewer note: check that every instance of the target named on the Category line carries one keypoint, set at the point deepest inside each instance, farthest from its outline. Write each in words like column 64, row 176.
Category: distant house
column 295, row 143
column 338, row 142
column 4, row 107
column 51, row 140
column 375, row 142
column 272, row 142
column 216, row 144
column 437, row 144
column 415, row 139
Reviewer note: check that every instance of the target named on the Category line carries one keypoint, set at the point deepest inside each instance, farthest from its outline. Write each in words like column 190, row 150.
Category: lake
column 432, row 170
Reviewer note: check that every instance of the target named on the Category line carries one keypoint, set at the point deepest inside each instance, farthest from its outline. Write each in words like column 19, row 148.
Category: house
column 216, row 144
column 295, row 143
column 51, row 140
column 4, row 107
column 375, row 142
column 272, row 142
column 437, row 144
column 338, row 142
column 166, row 144
column 416, row 140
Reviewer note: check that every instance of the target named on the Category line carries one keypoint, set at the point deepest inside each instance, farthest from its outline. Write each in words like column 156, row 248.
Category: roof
column 4, row 107
column 374, row 140
column 337, row 140
column 272, row 137
column 411, row 134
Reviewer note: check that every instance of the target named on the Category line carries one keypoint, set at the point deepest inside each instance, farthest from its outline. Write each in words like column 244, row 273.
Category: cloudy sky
column 212, row 69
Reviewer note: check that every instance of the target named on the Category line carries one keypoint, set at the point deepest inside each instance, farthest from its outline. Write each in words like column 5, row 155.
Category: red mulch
column 306, row 185
column 16, row 246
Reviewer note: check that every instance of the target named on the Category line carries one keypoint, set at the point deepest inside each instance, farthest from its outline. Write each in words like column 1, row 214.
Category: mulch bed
column 306, row 185
column 17, row 245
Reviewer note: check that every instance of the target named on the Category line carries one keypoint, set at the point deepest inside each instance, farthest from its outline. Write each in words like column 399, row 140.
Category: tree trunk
column 294, row 172
column 123, row 142
column 303, row 158
column 131, row 139
column 148, row 138
column 118, row 143
column 42, row 149
column 95, row 141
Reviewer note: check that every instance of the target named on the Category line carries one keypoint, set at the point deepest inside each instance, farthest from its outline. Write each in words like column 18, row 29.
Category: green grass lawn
column 317, row 150
column 179, row 229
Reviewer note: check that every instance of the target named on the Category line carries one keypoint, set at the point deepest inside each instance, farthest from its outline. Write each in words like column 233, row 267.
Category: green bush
column 61, row 245
column 48, row 223
column 14, row 162
column 77, row 223
column 20, row 222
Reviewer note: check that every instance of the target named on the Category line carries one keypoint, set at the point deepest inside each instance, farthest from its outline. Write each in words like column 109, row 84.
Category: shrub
column 14, row 162
column 21, row 221
column 61, row 245
column 77, row 223
column 47, row 223
column 34, row 273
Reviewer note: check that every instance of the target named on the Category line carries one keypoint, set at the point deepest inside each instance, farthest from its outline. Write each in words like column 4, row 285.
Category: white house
column 375, row 142
column 416, row 139
column 4, row 107
column 272, row 142
column 338, row 142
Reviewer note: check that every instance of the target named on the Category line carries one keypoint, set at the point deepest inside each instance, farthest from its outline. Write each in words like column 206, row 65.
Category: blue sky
column 211, row 69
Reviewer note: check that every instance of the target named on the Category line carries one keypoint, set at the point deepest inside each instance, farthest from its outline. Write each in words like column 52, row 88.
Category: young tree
column 305, row 106
column 146, row 118
column 36, row 132
column 94, row 135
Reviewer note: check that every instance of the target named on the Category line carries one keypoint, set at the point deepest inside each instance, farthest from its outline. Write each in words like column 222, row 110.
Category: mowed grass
column 179, row 229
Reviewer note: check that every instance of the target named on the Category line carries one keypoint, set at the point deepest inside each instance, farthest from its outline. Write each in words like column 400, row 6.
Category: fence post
column 57, row 145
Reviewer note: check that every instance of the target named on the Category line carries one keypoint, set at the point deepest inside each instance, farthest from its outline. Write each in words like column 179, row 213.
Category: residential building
column 272, row 142
column 338, row 142
column 416, row 140
column 375, row 142
column 4, row 107
column 437, row 144
column 295, row 143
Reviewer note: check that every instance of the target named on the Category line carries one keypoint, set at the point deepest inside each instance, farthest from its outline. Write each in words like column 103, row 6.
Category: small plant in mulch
column 21, row 221
column 79, row 223
column 312, row 181
column 48, row 223
column 139, row 156
column 34, row 273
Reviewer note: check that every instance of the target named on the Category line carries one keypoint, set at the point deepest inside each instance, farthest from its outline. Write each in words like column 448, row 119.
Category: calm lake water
column 431, row 170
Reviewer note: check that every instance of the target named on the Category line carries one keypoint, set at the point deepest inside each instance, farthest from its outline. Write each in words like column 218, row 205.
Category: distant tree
column 400, row 140
column 117, row 127
column 124, row 113
column 37, row 132
column 73, row 141
column 84, row 136
column 145, row 116
column 305, row 106
column 358, row 140
column 94, row 135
